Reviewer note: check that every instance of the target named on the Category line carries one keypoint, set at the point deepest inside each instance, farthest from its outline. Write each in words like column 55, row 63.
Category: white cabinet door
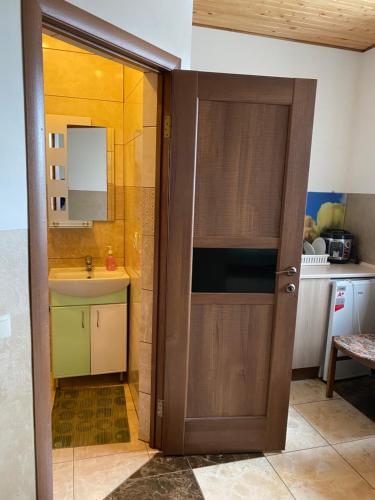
column 108, row 338
column 312, row 322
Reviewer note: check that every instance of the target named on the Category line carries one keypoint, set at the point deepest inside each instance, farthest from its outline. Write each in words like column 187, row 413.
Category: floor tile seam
column 188, row 461
column 127, row 479
column 281, row 479
column 158, row 475
column 314, row 401
column 214, row 464
column 362, row 438
column 348, row 440
column 136, row 452
column 197, row 482
column 208, row 465
column 353, row 468
column 318, row 401
column 339, row 454
column 313, row 427
column 109, row 455
column 284, row 452
column 224, row 463
column 324, row 437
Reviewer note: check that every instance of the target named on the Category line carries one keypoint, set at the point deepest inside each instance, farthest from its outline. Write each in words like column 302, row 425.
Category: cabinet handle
column 97, row 318
column 83, row 319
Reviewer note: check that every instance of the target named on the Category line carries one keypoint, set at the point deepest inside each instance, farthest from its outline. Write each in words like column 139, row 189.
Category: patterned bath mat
column 89, row 416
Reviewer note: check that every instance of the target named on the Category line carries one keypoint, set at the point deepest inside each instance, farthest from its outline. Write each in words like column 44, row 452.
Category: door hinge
column 167, row 127
column 160, row 408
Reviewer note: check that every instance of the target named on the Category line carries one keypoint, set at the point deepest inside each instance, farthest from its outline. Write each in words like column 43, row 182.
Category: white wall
column 17, row 470
column 361, row 171
column 13, row 199
column 164, row 23
column 337, row 74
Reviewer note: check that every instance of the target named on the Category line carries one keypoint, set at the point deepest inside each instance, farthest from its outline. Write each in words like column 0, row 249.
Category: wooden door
column 239, row 157
column 108, row 338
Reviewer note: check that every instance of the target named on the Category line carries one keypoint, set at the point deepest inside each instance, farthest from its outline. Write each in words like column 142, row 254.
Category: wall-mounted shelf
column 70, row 224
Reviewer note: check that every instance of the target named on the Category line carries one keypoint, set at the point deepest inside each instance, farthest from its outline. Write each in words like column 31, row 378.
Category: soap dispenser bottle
column 110, row 260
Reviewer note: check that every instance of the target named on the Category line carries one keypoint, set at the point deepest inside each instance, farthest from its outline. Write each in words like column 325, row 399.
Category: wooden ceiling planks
column 347, row 24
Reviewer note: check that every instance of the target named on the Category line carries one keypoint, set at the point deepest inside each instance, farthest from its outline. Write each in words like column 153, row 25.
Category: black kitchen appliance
column 339, row 245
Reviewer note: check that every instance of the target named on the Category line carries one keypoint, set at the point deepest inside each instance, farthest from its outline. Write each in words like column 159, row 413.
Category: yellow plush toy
column 330, row 216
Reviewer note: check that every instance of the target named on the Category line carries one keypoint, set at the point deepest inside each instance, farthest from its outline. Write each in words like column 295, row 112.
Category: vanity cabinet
column 90, row 337
column 312, row 322
column 108, row 342
column 70, row 341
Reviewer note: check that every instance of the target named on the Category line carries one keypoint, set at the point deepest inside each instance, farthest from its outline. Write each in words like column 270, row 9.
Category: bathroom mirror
column 87, row 173
column 80, row 171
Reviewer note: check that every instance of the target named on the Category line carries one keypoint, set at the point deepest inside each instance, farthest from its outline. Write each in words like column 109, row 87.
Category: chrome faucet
column 88, row 263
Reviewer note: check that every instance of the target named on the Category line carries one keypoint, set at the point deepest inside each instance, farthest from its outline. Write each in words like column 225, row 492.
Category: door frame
column 80, row 26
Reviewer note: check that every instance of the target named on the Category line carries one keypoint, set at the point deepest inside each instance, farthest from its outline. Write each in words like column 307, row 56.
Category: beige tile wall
column 133, row 92
column 83, row 84
column 359, row 219
column 140, row 162
column 16, row 416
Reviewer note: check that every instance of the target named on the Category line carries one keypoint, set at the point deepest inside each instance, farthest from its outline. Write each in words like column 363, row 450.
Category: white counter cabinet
column 313, row 309
column 312, row 322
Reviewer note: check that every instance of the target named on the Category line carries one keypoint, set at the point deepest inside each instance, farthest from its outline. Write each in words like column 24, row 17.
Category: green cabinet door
column 70, row 341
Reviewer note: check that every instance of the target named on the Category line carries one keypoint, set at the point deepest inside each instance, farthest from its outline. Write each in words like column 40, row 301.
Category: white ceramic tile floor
column 320, row 461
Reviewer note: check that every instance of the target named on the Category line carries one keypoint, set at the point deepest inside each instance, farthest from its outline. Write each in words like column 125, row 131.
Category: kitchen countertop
column 362, row 270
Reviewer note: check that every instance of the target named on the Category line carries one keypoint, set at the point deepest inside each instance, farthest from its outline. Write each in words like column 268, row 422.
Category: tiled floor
column 330, row 454
column 92, row 472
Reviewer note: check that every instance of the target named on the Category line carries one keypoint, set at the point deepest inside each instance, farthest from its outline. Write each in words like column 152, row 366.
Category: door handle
column 290, row 288
column 290, row 271
column 97, row 318
column 83, row 319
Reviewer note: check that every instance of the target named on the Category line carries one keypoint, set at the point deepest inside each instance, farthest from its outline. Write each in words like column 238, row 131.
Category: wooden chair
column 359, row 347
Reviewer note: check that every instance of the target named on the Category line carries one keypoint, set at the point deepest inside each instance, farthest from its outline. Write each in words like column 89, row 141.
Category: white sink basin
column 76, row 281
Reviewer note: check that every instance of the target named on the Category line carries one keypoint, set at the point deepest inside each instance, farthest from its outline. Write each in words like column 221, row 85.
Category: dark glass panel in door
column 234, row 270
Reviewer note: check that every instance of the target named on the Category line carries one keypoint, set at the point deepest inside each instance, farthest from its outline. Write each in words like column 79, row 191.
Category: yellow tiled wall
column 133, row 140
column 77, row 82
column 140, row 166
column 83, row 84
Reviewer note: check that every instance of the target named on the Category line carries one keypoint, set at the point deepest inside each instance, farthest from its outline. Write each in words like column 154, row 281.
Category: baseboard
column 304, row 373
